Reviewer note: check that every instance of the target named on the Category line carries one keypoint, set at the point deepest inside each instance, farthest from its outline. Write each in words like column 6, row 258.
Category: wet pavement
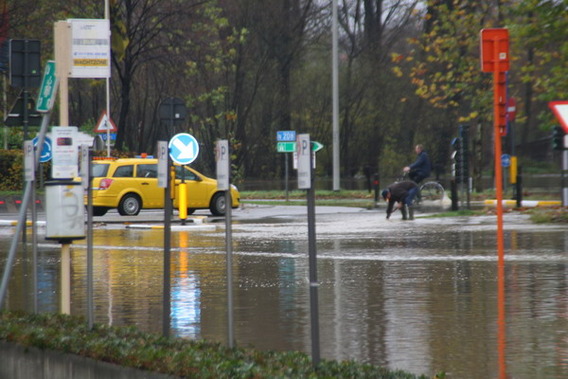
column 415, row 295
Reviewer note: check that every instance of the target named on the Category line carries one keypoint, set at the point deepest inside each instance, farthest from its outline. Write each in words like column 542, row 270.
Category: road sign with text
column 46, row 96
column 286, row 136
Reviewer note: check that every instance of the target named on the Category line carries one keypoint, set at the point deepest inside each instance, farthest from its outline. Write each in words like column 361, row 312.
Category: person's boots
column 410, row 213
column 403, row 211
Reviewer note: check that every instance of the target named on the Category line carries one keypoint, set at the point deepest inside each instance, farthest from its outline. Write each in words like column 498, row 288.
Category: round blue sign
column 183, row 148
column 46, row 154
column 505, row 160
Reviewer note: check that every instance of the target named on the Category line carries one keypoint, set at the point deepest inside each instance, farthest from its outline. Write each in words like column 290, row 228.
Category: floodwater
column 414, row 295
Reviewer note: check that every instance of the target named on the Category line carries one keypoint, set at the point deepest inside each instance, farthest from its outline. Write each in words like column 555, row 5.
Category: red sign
column 511, row 109
column 494, row 50
column 105, row 124
column 560, row 110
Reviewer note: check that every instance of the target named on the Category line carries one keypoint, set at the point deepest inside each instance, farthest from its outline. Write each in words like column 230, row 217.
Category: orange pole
column 498, row 103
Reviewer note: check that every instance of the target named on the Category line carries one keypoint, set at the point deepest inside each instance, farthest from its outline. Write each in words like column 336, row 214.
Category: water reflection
column 416, row 296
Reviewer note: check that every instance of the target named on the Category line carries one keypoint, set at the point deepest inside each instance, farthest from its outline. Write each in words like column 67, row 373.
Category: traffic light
column 558, row 138
column 460, row 167
column 464, row 135
column 456, row 156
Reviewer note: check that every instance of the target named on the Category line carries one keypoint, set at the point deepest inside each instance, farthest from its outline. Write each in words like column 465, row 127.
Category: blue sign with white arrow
column 46, row 153
column 183, row 148
column 505, row 160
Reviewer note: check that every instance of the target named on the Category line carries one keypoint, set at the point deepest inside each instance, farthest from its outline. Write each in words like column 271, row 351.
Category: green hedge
column 11, row 170
column 130, row 347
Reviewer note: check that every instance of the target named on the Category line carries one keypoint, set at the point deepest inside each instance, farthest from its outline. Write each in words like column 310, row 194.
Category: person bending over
column 402, row 194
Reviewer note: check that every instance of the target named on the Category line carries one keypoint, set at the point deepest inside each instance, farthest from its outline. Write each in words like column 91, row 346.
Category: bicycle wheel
column 432, row 193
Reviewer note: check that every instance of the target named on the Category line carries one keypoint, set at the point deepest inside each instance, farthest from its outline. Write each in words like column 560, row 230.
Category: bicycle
column 431, row 194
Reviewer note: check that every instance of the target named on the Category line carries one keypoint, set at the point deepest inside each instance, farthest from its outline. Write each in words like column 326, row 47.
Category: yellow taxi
column 131, row 184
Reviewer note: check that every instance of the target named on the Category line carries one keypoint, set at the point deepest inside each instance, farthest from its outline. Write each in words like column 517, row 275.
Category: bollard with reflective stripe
column 182, row 204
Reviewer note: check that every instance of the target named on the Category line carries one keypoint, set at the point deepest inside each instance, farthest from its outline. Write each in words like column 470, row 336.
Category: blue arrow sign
column 45, row 150
column 505, row 160
column 183, row 148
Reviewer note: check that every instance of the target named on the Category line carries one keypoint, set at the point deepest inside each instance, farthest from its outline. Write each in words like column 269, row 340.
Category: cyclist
column 403, row 194
column 420, row 169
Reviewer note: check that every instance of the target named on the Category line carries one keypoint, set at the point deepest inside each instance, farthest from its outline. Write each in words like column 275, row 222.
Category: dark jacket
column 398, row 193
column 421, row 165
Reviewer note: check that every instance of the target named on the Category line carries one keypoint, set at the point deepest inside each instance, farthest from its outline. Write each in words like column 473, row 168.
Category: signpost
column 305, row 169
column 495, row 59
column 183, row 148
column 164, row 182
column 223, row 159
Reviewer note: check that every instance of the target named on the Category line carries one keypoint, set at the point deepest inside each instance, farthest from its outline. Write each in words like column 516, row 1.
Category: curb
column 15, row 223
column 173, row 227
column 526, row 203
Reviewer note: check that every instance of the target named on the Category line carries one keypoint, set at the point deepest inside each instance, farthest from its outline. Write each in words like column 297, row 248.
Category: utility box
column 65, row 212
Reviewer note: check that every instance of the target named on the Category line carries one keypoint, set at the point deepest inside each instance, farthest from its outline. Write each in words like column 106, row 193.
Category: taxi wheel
column 130, row 205
column 217, row 206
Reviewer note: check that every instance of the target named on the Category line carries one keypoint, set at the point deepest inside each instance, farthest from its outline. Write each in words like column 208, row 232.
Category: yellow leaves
column 469, row 117
column 231, row 116
column 396, row 58
column 397, row 71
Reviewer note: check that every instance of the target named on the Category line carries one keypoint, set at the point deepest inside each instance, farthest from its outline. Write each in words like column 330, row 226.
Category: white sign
column 304, row 151
column 90, row 48
column 222, row 159
column 105, row 124
column 162, row 164
column 85, row 165
column 65, row 152
column 29, row 161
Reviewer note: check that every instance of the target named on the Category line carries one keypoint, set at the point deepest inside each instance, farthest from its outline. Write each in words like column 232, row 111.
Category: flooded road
column 414, row 295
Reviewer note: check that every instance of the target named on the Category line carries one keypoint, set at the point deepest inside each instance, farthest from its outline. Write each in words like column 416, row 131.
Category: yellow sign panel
column 90, row 62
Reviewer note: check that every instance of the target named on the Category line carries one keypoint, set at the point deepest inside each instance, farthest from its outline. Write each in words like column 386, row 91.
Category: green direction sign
column 285, row 147
column 316, row 146
column 46, row 96
column 290, row 147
